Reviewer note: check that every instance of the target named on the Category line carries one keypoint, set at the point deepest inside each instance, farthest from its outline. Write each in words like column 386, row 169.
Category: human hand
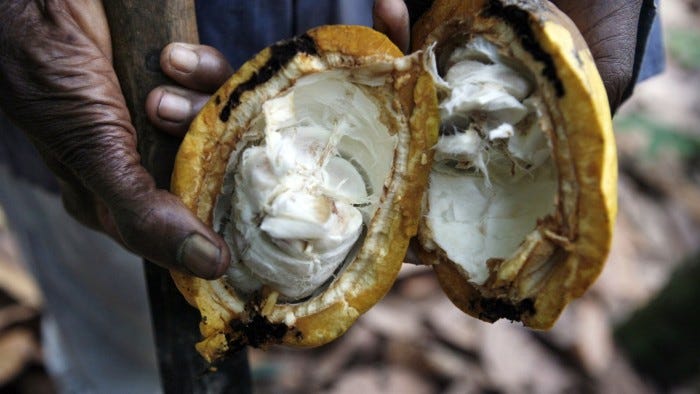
column 608, row 26
column 59, row 86
column 610, row 30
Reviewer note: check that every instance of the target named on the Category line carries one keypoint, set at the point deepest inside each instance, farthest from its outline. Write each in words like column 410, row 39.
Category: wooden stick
column 139, row 30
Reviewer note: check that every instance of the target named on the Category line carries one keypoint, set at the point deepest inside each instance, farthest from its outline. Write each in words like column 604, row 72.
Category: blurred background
column 637, row 330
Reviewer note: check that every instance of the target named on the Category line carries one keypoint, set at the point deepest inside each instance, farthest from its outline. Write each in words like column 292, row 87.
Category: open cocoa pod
column 522, row 197
column 311, row 161
column 320, row 159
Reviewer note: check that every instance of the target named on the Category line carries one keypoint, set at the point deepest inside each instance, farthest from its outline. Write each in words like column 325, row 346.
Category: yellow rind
column 391, row 240
column 586, row 113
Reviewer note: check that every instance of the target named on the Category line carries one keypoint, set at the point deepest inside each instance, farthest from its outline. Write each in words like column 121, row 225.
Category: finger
column 157, row 226
column 107, row 223
column 197, row 67
column 92, row 212
column 391, row 18
column 154, row 223
column 86, row 208
column 172, row 109
column 79, row 203
column 610, row 30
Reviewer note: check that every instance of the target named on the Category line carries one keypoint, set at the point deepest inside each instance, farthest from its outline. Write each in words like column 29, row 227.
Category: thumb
column 391, row 18
column 158, row 226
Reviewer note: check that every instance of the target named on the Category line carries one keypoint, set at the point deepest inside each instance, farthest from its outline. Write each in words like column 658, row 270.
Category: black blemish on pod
column 519, row 20
column 493, row 309
column 257, row 332
column 280, row 55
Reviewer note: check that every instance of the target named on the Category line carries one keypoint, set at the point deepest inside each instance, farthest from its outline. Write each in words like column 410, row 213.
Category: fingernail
column 184, row 59
column 200, row 256
column 173, row 107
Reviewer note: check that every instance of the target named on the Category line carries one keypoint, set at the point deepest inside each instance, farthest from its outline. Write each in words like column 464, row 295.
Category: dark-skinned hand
column 59, row 86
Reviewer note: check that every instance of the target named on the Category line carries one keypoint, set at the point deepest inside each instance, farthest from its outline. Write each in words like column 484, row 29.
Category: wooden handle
column 139, row 30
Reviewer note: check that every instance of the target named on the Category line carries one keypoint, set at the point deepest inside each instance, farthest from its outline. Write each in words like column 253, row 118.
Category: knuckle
column 81, row 209
column 135, row 225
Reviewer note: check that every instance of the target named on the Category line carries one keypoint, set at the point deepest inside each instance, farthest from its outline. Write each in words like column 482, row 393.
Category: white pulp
column 302, row 195
column 493, row 175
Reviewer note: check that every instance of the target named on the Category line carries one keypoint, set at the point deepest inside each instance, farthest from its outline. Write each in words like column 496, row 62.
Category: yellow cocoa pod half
column 311, row 161
column 519, row 212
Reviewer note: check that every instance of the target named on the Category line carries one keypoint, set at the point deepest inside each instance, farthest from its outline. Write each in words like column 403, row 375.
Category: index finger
column 197, row 67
